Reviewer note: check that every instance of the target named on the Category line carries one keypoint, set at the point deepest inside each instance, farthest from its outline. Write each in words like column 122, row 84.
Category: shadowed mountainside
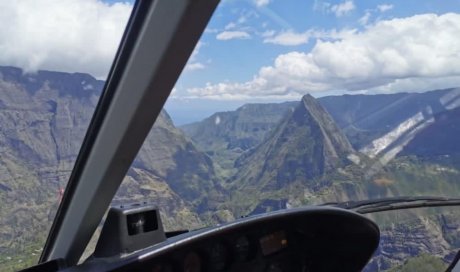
column 44, row 118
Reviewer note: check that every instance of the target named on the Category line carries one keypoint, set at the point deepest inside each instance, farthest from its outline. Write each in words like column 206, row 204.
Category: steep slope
column 170, row 155
column 43, row 119
column 440, row 137
column 225, row 135
column 40, row 133
column 412, row 235
column 305, row 145
column 372, row 123
column 364, row 118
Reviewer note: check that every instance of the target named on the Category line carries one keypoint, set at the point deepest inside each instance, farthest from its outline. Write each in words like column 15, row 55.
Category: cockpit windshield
column 282, row 104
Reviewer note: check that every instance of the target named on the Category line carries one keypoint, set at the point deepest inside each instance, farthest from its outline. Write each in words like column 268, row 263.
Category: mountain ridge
column 275, row 157
column 44, row 118
column 305, row 144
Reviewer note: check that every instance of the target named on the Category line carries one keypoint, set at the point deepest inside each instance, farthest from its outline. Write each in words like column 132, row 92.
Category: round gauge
column 192, row 262
column 242, row 249
column 219, row 257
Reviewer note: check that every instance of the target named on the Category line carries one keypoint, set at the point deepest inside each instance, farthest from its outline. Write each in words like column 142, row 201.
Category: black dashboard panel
column 302, row 239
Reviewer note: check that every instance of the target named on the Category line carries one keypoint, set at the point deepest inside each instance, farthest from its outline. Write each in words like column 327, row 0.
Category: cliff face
column 441, row 134
column 44, row 117
column 432, row 233
column 168, row 154
column 365, row 118
column 243, row 128
column 270, row 156
column 226, row 135
column 306, row 144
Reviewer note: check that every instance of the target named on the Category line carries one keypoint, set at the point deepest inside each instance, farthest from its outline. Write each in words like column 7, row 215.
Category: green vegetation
column 258, row 158
column 422, row 263
column 28, row 256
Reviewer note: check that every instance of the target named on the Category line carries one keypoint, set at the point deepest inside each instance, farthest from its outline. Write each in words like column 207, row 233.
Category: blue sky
column 255, row 50
column 244, row 36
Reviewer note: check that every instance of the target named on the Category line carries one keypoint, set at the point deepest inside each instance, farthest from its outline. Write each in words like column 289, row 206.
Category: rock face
column 270, row 156
column 44, row 117
column 225, row 135
column 432, row 233
column 243, row 128
column 168, row 154
column 441, row 134
column 306, row 144
column 372, row 123
column 364, row 118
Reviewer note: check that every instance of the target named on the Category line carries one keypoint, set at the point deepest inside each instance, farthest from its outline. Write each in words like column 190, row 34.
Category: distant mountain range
column 441, row 137
column 257, row 158
column 362, row 118
column 367, row 117
column 226, row 135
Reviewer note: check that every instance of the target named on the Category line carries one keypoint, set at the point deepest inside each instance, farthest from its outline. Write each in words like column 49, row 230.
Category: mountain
column 305, row 145
column 365, row 118
column 243, row 128
column 442, row 135
column 414, row 241
column 170, row 155
column 371, row 123
column 225, row 135
column 258, row 158
column 44, row 117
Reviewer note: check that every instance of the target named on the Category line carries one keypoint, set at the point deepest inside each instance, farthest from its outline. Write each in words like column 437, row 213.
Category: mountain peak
column 305, row 145
column 336, row 143
column 308, row 97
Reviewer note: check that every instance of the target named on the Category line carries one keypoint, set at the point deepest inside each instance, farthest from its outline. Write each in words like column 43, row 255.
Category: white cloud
column 196, row 50
column 268, row 33
column 192, row 63
column 384, row 7
column 322, row 6
column 194, row 66
column 230, row 35
column 230, row 25
column 261, row 3
column 70, row 36
column 211, row 30
column 289, row 38
column 343, row 9
column 365, row 19
column 422, row 50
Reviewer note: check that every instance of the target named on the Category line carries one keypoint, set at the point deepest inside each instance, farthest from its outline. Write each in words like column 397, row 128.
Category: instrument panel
column 303, row 239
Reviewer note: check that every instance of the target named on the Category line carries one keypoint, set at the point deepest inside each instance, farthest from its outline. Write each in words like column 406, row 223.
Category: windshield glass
column 55, row 56
column 282, row 104
column 292, row 103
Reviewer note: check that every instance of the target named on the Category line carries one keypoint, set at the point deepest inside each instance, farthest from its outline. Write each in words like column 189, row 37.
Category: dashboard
column 302, row 239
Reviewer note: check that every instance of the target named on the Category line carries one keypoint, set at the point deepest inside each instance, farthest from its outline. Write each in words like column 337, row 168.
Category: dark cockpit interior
column 303, row 239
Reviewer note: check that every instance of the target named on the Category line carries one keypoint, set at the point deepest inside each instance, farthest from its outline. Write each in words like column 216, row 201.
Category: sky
column 255, row 51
